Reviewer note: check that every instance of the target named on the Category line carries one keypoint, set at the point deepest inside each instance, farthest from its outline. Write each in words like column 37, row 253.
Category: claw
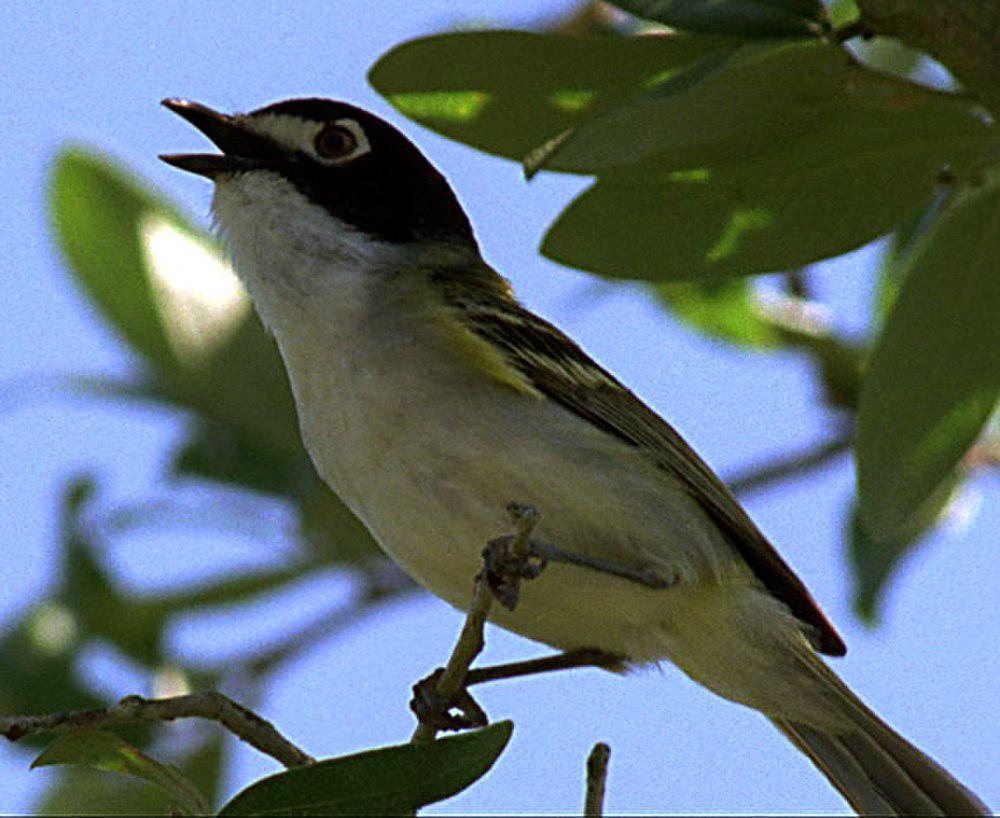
column 431, row 710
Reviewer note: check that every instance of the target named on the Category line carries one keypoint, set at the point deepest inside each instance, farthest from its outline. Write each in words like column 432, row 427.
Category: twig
column 470, row 641
column 789, row 465
column 243, row 723
column 857, row 28
column 597, row 776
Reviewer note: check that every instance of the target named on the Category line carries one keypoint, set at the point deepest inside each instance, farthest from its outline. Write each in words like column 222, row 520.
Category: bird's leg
column 646, row 575
column 586, row 657
column 506, row 561
column 505, row 567
column 432, row 711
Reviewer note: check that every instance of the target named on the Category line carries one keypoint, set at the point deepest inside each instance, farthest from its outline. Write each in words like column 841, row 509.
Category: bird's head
column 309, row 182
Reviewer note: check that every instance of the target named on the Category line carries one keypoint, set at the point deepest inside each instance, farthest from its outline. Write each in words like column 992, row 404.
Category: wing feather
column 561, row 370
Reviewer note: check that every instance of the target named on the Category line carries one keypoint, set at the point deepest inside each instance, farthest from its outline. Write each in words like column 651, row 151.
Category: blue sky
column 95, row 74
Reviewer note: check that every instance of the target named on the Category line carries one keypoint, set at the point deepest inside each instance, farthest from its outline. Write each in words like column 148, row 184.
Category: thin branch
column 789, row 465
column 243, row 723
column 856, row 28
column 597, row 776
column 470, row 642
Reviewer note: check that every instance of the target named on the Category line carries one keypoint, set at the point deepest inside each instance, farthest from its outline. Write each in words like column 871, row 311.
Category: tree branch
column 451, row 681
column 243, row 723
column 597, row 775
column 789, row 465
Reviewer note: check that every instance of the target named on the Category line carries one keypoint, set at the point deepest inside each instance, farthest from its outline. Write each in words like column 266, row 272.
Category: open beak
column 242, row 149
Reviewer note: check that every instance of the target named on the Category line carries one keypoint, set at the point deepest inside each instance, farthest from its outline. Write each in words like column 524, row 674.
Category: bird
column 429, row 398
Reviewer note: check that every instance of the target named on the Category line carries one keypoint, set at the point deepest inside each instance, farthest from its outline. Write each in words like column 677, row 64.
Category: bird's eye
column 335, row 142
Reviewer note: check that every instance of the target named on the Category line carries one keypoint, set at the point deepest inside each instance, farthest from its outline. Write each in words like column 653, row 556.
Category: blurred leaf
column 92, row 598
column 165, row 286
column 106, row 751
column 167, row 289
column 747, row 18
column 83, row 791
column 331, row 529
column 37, row 663
column 841, row 12
column 796, row 103
column 221, row 453
column 506, row 92
column 934, row 375
column 387, row 781
column 135, row 624
column 889, row 54
column 97, row 212
column 874, row 561
column 725, row 310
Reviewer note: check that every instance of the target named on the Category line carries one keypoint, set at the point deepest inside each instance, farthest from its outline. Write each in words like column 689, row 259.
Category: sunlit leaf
column 934, row 375
column 748, row 18
column 388, row 781
column 725, row 310
column 506, row 92
column 107, row 752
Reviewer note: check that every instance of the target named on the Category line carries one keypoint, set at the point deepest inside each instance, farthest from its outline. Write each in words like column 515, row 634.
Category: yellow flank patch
column 484, row 356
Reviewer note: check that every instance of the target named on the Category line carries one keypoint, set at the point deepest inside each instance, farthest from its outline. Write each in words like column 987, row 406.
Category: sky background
column 95, row 73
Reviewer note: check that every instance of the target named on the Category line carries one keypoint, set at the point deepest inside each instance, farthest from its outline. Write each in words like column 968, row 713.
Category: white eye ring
column 341, row 141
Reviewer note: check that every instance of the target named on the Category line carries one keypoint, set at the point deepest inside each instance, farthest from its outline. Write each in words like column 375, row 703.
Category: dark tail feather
column 880, row 773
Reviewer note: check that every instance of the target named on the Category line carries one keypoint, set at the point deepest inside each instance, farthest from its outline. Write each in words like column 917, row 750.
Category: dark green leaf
column 934, row 375
column 827, row 191
column 726, row 310
column 82, row 791
column 893, row 263
column 799, row 102
column 106, row 751
column 874, row 561
column 38, row 656
column 388, row 781
column 506, row 92
column 746, row 18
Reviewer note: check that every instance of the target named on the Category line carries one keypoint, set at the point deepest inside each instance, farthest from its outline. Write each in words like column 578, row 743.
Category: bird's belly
column 433, row 494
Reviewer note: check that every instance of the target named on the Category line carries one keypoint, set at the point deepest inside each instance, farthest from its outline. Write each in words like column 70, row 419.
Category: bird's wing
column 561, row 370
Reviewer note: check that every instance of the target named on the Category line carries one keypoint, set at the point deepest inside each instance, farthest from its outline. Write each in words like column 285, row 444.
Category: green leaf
column 506, row 92
column 388, row 781
column 97, row 214
column 893, row 264
column 106, row 751
column 934, row 375
column 166, row 288
column 725, row 310
column 825, row 188
column 796, row 103
column 746, row 18
column 873, row 562
column 38, row 653
column 82, row 791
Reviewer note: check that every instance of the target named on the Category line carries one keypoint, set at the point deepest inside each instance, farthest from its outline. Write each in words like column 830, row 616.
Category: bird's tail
column 876, row 770
column 757, row 655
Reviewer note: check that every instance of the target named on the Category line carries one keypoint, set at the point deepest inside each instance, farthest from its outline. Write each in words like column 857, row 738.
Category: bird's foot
column 461, row 713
